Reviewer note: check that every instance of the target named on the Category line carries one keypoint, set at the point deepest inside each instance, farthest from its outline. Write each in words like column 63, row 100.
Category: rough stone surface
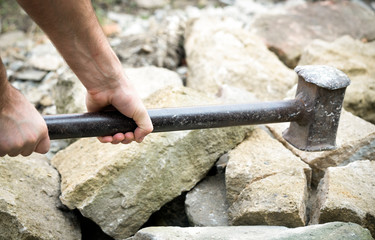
column 348, row 194
column 219, row 51
column 70, row 93
column 266, row 183
column 29, row 203
column 355, row 141
column 160, row 45
column 289, row 32
column 357, row 60
column 329, row 231
column 45, row 57
column 148, row 80
column 206, row 204
column 157, row 170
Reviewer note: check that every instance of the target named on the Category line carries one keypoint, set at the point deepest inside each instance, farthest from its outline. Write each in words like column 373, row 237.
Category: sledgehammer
column 314, row 114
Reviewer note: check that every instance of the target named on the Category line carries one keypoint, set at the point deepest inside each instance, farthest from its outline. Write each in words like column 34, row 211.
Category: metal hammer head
column 322, row 90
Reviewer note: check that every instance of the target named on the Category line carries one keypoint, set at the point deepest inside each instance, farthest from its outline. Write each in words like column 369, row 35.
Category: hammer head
column 322, row 90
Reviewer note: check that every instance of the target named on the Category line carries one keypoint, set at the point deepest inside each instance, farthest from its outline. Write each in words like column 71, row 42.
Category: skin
column 74, row 30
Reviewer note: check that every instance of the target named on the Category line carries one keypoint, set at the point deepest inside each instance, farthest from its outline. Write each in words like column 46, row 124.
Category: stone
column 234, row 95
column 45, row 57
column 206, row 204
column 355, row 141
column 30, row 75
column 29, row 203
column 148, row 80
column 328, row 231
column 46, row 62
column 151, row 3
column 10, row 38
column 159, row 45
column 140, row 178
column 356, row 59
column 71, row 95
column 347, row 194
column 266, row 183
column 221, row 52
column 287, row 33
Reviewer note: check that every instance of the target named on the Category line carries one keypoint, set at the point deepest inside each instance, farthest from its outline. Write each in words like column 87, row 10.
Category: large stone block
column 357, row 60
column 287, row 33
column 347, row 194
column 29, row 201
column 266, row 183
column 355, row 141
column 328, row 231
column 220, row 52
column 120, row 186
column 206, row 205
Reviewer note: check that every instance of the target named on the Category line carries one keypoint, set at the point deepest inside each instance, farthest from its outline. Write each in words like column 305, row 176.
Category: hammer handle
column 174, row 119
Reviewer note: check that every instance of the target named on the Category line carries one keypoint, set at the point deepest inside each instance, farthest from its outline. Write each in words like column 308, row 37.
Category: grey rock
column 10, row 38
column 266, row 183
column 158, row 170
column 30, row 75
column 151, row 3
column 45, row 57
column 206, row 204
column 29, row 203
column 159, row 46
column 289, row 32
column 329, row 231
column 347, row 194
column 356, row 59
column 69, row 94
column 221, row 52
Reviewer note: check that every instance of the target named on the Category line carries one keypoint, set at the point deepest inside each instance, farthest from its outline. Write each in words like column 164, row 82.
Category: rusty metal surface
column 322, row 89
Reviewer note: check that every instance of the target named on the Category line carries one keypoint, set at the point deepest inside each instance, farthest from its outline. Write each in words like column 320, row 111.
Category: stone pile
column 220, row 178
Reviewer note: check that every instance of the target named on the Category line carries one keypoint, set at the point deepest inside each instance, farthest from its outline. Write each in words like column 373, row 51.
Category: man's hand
column 22, row 129
column 125, row 99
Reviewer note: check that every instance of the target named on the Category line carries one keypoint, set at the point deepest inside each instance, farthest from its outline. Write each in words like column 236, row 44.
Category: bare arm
column 22, row 129
column 74, row 29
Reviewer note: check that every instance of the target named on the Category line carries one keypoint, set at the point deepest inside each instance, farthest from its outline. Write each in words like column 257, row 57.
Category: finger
column 127, row 141
column 105, row 139
column 118, row 137
column 144, row 126
column 27, row 150
column 14, row 152
column 43, row 145
column 129, row 137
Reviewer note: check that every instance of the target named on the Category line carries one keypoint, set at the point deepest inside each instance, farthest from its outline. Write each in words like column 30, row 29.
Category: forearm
column 4, row 85
column 74, row 29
